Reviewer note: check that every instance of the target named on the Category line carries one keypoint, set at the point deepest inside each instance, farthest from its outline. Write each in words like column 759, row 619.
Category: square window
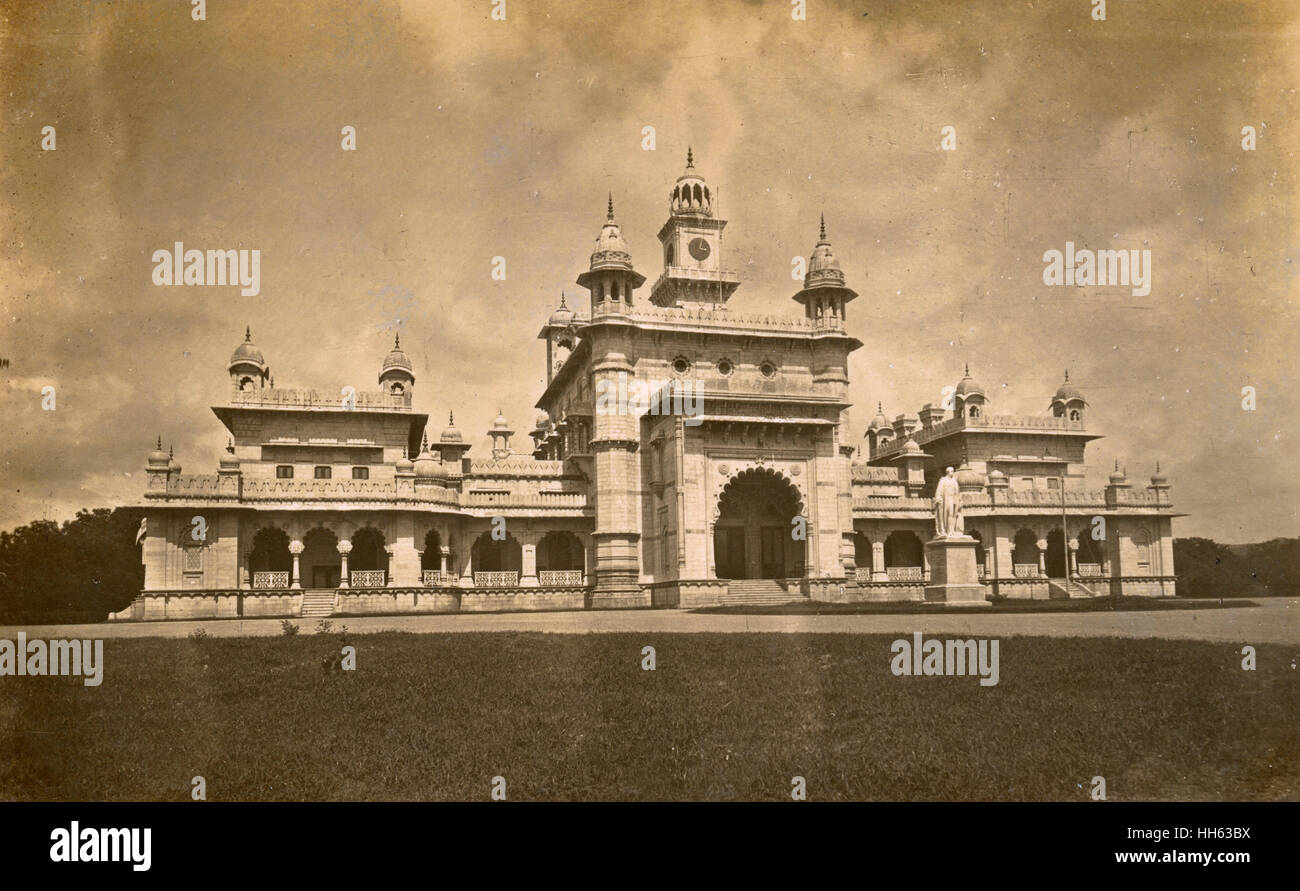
column 324, row 473
column 361, row 473
column 284, row 472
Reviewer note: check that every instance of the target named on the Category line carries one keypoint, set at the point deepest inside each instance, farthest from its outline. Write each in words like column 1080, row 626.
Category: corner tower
column 692, row 244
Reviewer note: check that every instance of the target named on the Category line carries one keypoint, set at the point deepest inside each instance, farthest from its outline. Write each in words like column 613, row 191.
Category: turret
column 968, row 399
column 1068, row 402
column 500, row 434
column 692, row 246
column 824, row 294
column 396, row 377
column 248, row 369
column 611, row 278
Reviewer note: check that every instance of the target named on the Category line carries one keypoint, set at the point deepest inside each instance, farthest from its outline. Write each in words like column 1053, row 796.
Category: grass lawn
column 1005, row 605
column 724, row 716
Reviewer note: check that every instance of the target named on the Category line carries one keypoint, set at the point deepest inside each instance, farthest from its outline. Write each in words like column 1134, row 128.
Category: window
column 681, row 365
column 974, row 411
column 284, row 472
column 767, row 369
column 360, row 473
column 323, row 473
column 1053, row 483
column 1074, row 414
column 1027, row 482
column 725, row 367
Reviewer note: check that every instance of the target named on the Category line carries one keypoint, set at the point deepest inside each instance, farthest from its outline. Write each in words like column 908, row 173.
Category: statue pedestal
column 953, row 578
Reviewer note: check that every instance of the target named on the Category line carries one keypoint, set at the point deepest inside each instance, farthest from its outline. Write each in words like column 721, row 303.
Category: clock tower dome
column 692, row 241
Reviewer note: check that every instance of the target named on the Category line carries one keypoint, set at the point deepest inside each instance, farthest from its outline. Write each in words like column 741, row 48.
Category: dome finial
column 160, row 442
column 968, row 369
column 1157, row 465
column 690, row 158
column 1117, row 464
column 880, row 407
column 397, row 341
column 230, row 447
column 562, row 300
column 451, row 419
column 424, row 441
column 1067, row 375
column 609, row 213
column 248, row 334
column 171, row 450
column 823, row 230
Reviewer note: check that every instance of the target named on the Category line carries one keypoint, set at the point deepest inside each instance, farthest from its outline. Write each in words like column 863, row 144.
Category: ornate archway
column 753, row 534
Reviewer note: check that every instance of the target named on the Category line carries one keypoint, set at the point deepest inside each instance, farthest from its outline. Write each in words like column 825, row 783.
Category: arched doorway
column 1024, row 554
column 368, row 561
column 753, row 536
column 1054, row 560
column 431, row 556
column 979, row 550
column 904, row 556
column 862, row 551
column 496, row 562
column 320, row 562
column 560, row 559
column 269, row 561
column 1089, row 555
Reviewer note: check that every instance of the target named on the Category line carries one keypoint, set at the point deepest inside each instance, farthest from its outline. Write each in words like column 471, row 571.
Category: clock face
column 699, row 248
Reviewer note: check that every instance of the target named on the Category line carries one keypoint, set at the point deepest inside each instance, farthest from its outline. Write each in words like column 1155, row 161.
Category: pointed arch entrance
column 752, row 536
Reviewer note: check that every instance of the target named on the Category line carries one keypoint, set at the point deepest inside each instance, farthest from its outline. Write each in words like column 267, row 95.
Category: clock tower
column 692, row 241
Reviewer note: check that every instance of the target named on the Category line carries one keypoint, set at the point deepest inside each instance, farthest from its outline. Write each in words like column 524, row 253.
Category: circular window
column 681, row 365
column 725, row 367
column 767, row 369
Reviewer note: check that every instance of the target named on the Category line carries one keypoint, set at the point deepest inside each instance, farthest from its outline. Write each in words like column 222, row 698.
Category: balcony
column 508, row 579
column 270, row 580
column 368, row 578
column 550, row 577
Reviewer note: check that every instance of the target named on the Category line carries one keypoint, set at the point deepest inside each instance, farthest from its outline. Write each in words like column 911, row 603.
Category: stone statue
column 947, row 507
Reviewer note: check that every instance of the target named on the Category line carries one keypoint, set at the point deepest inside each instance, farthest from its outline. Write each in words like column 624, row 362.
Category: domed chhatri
column 691, row 194
column 229, row 460
column 451, row 434
column 879, row 420
column 824, row 295
column 405, row 466
column 1158, row 478
column 563, row 316
column 968, row 397
column 247, row 367
column 1118, row 477
column 969, row 479
column 1068, row 401
column 396, row 376
column 158, row 458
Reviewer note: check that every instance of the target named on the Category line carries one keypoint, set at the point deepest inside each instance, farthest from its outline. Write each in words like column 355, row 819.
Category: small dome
column 158, row 458
column 691, row 194
column 172, row 465
column 451, row 434
column 562, row 317
column 969, row 479
column 246, row 353
column 501, row 423
column 968, row 386
column 1068, row 392
column 911, row 448
column 543, row 421
column 1118, row 477
column 997, row 478
column 1158, row 478
column 879, row 420
column 428, row 467
column 405, row 465
column 229, row 461
column 396, row 358
column 823, row 269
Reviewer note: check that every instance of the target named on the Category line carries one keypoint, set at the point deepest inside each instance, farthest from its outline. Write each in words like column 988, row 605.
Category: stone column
column 295, row 548
column 445, row 552
column 528, row 560
column 1042, row 558
column 345, row 548
column 878, row 573
column 1074, row 559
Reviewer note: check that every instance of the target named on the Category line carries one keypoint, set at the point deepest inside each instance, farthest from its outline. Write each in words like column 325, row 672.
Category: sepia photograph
column 797, row 401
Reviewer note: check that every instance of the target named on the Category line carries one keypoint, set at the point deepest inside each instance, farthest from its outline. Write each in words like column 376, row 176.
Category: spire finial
column 1117, row 464
column 248, row 334
column 397, row 341
column 171, row 450
column 880, row 407
column 609, row 213
column 1157, row 465
column 1067, row 375
column 160, row 442
column 424, row 442
column 690, row 158
column 823, row 231
column 451, row 419
column 968, row 369
column 562, row 300
column 230, row 445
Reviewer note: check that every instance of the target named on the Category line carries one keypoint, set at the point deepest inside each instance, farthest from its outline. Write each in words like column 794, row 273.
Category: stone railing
column 862, row 573
column 496, row 579
column 432, row 577
column 905, row 573
column 727, row 318
column 1025, row 570
column 339, row 490
column 980, row 571
column 321, row 399
column 368, row 578
column 559, row 576
column 1091, row 570
column 270, row 580
column 524, row 499
column 923, row 435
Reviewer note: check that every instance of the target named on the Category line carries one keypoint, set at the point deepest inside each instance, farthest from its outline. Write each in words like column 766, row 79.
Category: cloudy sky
column 479, row 138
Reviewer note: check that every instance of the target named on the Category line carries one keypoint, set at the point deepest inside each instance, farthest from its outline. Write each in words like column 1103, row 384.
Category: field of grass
column 724, row 716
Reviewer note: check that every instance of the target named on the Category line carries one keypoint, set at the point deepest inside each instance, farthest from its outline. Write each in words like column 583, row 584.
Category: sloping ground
column 722, row 716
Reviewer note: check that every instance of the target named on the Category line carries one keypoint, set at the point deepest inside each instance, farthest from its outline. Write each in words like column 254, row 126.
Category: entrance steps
column 318, row 603
column 761, row 592
column 1069, row 588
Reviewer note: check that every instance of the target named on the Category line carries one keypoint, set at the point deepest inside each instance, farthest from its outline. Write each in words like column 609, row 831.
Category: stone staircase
column 1069, row 588
column 760, row 592
column 318, row 603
